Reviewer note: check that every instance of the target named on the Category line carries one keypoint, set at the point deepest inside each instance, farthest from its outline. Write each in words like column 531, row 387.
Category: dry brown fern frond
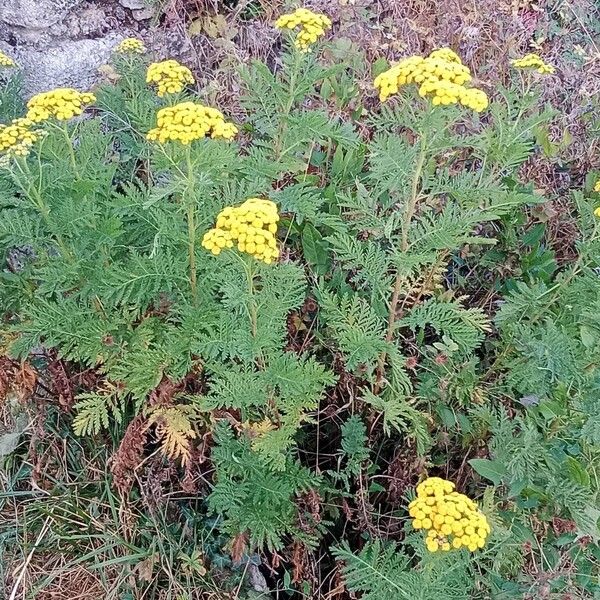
column 129, row 455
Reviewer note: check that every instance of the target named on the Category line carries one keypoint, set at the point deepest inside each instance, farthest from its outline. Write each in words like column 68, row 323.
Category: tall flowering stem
column 190, row 211
column 281, row 129
column 248, row 231
column 183, row 124
column 407, row 218
column 69, row 141
column 60, row 104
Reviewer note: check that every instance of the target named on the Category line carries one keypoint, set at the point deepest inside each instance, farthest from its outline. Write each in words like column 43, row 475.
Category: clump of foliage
column 385, row 319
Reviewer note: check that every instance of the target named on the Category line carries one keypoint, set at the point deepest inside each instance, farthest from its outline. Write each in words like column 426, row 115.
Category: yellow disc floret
column 131, row 46
column 62, row 104
column 251, row 227
column 597, row 186
column 533, row 61
column 452, row 520
column 169, row 77
column 17, row 138
column 440, row 76
column 188, row 121
column 6, row 61
column 311, row 26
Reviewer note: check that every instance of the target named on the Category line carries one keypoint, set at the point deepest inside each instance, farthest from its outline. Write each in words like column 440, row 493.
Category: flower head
column 597, row 186
column 533, row 61
column 188, row 121
column 452, row 520
column 169, row 76
column 446, row 54
column 17, row 138
column 252, row 225
column 441, row 76
column 6, row 61
column 311, row 26
column 131, row 46
column 62, row 104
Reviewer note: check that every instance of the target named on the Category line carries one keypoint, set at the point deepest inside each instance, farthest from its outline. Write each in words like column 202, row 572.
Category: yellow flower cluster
column 446, row 54
column 441, row 75
column 6, row 61
column 61, row 103
column 533, row 61
column 169, row 76
column 131, row 46
column 452, row 520
column 253, row 225
column 17, row 138
column 312, row 26
column 187, row 121
column 597, row 186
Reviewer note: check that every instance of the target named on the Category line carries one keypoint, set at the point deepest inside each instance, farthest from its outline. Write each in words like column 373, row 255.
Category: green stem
column 34, row 195
column 70, row 149
column 248, row 263
column 288, row 106
column 190, row 203
column 252, row 310
column 409, row 213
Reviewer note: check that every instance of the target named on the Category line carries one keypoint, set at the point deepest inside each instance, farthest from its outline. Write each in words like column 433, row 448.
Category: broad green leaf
column 490, row 469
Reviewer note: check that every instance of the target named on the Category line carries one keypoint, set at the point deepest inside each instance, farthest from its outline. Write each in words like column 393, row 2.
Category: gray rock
column 142, row 14
column 35, row 14
column 65, row 64
column 134, row 4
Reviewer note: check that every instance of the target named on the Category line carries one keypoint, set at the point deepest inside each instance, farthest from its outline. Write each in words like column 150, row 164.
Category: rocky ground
column 63, row 42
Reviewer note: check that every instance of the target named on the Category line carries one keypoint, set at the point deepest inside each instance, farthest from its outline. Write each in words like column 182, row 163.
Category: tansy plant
column 225, row 288
column 61, row 104
column 311, row 27
column 534, row 62
column 169, row 77
column 252, row 225
column 6, row 61
column 130, row 46
column 17, row 137
column 452, row 520
column 440, row 76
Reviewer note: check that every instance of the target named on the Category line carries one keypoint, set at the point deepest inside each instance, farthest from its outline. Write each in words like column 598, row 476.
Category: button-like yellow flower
column 533, row 61
column 454, row 519
column 17, row 138
column 131, row 46
column 169, row 76
column 446, row 54
column 62, row 104
column 440, row 76
column 253, row 225
column 597, row 186
column 6, row 61
column 311, row 25
column 188, row 121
